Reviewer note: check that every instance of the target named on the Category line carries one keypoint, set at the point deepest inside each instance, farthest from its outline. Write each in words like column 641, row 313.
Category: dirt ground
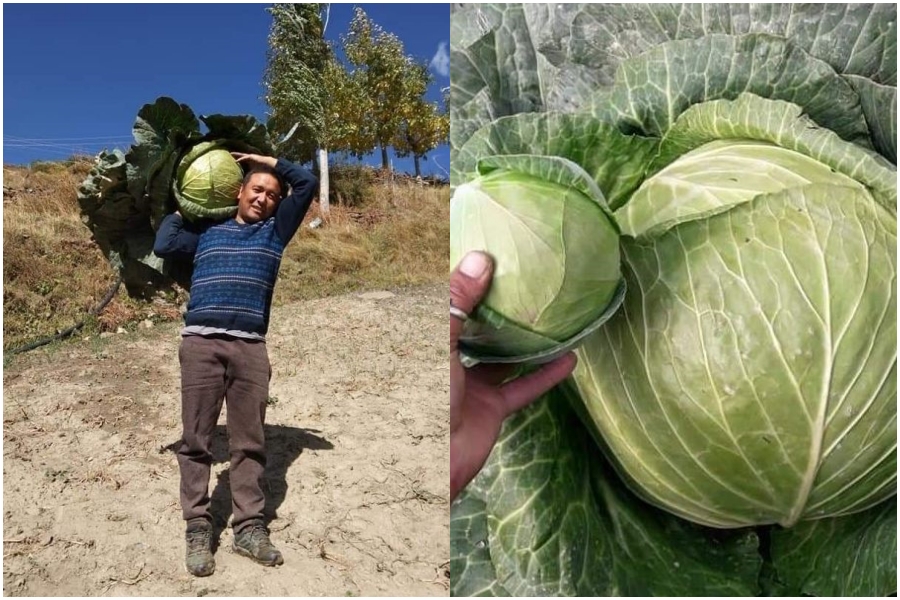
column 357, row 482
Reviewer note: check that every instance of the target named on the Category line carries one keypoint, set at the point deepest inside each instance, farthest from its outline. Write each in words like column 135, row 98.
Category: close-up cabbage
column 543, row 298
column 731, row 427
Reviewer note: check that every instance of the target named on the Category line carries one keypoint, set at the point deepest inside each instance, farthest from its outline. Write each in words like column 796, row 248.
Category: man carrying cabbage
column 223, row 352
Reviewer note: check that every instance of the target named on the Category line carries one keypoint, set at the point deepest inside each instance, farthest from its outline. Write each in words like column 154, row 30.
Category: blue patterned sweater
column 236, row 265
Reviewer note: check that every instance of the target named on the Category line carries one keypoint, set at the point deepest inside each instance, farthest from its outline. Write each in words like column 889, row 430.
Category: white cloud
column 441, row 61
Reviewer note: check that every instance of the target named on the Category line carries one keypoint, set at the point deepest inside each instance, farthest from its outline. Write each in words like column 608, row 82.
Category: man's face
column 258, row 198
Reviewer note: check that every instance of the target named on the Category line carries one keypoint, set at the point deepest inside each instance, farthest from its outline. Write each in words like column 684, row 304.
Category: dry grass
column 400, row 237
column 53, row 273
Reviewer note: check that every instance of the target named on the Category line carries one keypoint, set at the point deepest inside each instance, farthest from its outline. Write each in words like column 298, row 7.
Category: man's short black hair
column 268, row 171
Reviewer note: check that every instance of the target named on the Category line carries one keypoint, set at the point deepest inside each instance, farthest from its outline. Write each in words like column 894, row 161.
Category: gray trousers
column 237, row 371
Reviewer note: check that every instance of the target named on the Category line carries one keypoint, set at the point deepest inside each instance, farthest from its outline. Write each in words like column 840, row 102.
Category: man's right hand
column 479, row 398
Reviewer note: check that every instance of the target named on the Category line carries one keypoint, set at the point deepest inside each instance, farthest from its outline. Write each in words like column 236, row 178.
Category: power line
column 16, row 138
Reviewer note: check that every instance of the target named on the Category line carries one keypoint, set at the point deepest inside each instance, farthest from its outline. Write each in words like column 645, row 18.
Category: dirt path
column 357, row 480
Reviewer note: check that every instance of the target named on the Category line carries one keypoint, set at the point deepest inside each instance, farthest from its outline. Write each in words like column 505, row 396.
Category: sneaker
column 253, row 542
column 199, row 559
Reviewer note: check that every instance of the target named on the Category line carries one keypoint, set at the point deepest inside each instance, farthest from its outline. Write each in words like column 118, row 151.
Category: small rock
column 46, row 539
column 377, row 295
column 147, row 324
column 120, row 330
column 106, row 334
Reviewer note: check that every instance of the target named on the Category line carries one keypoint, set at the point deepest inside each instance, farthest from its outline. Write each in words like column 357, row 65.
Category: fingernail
column 474, row 265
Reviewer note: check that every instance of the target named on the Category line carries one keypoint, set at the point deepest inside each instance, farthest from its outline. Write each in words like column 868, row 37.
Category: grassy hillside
column 395, row 235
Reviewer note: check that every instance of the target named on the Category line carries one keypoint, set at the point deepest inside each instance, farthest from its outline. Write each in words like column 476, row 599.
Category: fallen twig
column 133, row 581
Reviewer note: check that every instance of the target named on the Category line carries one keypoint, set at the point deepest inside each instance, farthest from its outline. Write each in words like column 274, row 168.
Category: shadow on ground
column 283, row 446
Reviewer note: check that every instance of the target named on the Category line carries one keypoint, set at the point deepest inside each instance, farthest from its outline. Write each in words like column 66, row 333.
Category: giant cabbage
column 171, row 165
column 736, row 430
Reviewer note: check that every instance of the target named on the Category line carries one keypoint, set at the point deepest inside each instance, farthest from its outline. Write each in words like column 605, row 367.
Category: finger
column 491, row 374
column 525, row 390
column 469, row 282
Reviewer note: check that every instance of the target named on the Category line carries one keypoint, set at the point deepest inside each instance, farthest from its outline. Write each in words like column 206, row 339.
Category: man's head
column 259, row 195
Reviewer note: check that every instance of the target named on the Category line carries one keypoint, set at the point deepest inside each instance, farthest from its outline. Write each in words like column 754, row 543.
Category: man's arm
column 174, row 240
column 291, row 210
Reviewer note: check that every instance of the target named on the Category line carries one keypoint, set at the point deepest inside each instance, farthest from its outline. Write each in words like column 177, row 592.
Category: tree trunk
column 323, row 182
column 384, row 158
column 416, row 160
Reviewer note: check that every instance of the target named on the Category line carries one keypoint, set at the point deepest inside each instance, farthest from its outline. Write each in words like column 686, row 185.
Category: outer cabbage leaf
column 653, row 89
column 879, row 104
column 561, row 524
column 706, row 164
column 850, row 556
column 240, row 133
column 510, row 58
column 471, row 570
column 857, row 39
column 616, row 161
column 158, row 129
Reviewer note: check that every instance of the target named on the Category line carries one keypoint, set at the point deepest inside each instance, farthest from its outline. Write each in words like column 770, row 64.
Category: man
column 223, row 352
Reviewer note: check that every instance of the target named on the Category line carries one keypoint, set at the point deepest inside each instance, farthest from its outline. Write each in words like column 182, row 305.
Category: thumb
column 469, row 283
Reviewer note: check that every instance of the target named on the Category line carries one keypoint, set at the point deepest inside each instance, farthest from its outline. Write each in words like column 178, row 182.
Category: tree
column 390, row 80
column 423, row 128
column 296, row 86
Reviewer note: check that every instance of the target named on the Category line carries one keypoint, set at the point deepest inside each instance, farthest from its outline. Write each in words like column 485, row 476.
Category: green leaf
column 554, row 169
column 556, row 56
column 242, row 133
column 847, row 556
column 471, row 570
column 614, row 160
column 155, row 129
column 561, row 523
column 782, row 123
column 653, row 89
column 702, row 166
column 879, row 104
column 481, row 91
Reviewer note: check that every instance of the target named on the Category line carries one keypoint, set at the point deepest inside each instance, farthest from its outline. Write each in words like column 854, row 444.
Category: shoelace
column 198, row 541
column 259, row 535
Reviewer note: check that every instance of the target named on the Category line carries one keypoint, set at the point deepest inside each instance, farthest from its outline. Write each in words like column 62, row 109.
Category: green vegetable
column 537, row 229
column 170, row 166
column 744, row 395
column 207, row 182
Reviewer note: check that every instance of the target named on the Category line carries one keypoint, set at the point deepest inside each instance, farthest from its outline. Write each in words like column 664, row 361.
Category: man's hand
column 479, row 400
column 269, row 161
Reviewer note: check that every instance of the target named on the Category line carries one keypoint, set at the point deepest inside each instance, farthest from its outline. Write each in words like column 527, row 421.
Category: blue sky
column 75, row 75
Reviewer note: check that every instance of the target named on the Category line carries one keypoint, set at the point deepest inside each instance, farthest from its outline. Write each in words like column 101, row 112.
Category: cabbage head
column 207, row 182
column 536, row 228
column 732, row 428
